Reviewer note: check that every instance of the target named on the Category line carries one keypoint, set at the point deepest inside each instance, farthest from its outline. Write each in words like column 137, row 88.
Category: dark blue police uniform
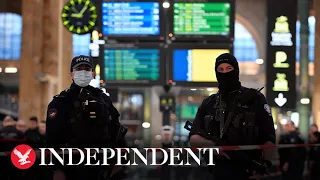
column 83, row 117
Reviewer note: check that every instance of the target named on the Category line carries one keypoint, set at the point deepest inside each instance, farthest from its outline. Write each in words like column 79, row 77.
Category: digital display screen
column 132, row 65
column 201, row 18
column 195, row 65
column 130, row 18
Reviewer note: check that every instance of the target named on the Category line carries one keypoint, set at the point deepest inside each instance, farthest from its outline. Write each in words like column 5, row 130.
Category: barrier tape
column 221, row 148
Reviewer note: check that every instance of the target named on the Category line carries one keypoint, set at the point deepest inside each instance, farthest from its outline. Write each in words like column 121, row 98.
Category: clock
column 79, row 16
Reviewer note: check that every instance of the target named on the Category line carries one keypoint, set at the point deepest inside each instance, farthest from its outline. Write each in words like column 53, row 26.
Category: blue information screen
column 130, row 18
column 132, row 64
column 195, row 65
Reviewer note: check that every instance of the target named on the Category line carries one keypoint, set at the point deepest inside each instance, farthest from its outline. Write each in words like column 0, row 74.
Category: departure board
column 130, row 18
column 195, row 65
column 201, row 18
column 132, row 64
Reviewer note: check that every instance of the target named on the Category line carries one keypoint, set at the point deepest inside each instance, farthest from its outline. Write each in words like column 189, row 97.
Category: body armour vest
column 88, row 119
column 234, row 123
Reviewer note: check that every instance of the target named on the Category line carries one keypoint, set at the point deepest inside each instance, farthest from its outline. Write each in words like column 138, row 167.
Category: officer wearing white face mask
column 83, row 116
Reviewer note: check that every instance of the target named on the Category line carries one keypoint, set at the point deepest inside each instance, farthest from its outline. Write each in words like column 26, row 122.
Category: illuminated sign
column 201, row 18
column 94, row 46
column 195, row 65
column 132, row 65
column 208, row 20
column 281, row 55
column 130, row 18
column 281, row 36
column 192, row 65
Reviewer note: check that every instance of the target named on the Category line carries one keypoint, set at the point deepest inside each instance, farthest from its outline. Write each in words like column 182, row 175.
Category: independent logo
column 23, row 156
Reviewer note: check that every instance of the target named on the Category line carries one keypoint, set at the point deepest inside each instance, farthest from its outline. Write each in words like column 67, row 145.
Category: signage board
column 132, row 65
column 281, row 53
column 131, row 20
column 205, row 20
column 193, row 64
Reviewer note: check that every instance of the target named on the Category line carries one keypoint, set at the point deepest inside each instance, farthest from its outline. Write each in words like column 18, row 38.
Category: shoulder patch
column 52, row 113
column 267, row 108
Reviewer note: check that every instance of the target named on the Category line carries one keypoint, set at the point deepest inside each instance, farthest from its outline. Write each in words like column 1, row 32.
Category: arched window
column 81, row 44
column 312, row 27
column 245, row 48
column 10, row 36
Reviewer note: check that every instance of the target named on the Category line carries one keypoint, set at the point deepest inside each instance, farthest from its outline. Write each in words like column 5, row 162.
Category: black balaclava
column 228, row 82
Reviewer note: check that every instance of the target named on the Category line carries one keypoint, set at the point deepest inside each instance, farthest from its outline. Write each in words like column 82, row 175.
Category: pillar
column 316, row 77
column 31, row 59
column 46, row 56
column 304, row 109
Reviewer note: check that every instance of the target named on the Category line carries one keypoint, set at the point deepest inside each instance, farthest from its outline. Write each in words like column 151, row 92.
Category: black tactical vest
column 88, row 120
column 242, row 129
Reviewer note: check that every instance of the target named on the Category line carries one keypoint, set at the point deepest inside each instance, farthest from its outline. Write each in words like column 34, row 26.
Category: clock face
column 79, row 16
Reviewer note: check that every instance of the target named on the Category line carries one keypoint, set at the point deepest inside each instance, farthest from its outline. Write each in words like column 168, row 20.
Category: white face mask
column 82, row 78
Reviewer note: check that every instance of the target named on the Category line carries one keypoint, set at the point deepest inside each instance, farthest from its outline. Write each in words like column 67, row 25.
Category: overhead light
column 210, row 89
column 283, row 121
column 305, row 101
column 10, row 70
column 165, row 5
column 158, row 137
column 259, row 61
column 146, row 125
column 193, row 89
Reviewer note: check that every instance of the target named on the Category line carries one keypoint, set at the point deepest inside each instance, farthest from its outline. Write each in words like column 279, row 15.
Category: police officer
column 292, row 159
column 83, row 117
column 236, row 115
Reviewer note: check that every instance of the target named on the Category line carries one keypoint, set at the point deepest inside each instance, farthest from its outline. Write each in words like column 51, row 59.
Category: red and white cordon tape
column 223, row 148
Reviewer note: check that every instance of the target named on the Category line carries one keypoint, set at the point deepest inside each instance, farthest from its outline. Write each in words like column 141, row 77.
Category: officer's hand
column 285, row 167
column 59, row 175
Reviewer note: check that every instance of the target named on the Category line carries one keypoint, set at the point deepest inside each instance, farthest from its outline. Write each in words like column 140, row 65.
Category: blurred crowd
column 294, row 163
column 32, row 131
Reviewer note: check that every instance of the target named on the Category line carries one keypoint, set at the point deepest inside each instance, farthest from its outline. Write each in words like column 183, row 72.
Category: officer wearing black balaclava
column 236, row 115
column 83, row 116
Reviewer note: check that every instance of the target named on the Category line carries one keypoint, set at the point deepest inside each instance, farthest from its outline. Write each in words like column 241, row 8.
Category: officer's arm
column 55, row 126
column 267, row 133
column 115, row 124
column 195, row 139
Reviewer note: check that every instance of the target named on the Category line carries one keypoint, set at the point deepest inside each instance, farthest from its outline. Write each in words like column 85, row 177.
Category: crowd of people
column 31, row 132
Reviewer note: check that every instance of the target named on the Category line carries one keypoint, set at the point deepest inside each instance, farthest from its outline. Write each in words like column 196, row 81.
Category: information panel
column 281, row 53
column 201, row 18
column 133, row 66
column 130, row 18
column 192, row 66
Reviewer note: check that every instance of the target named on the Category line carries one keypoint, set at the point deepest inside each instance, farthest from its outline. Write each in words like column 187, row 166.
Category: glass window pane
column 10, row 36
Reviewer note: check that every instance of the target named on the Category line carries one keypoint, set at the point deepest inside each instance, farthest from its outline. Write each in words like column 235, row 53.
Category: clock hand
column 74, row 10
column 76, row 15
column 83, row 10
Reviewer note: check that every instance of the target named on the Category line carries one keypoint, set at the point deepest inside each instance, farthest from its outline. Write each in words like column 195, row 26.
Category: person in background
column 32, row 134
column 9, row 131
column 42, row 131
column 21, row 126
column 42, row 128
column 314, row 153
column 33, row 123
column 292, row 159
